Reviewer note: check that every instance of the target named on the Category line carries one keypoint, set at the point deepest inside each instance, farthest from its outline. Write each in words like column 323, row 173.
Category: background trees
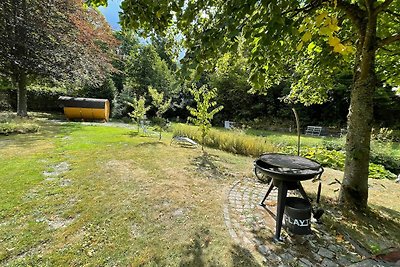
column 57, row 39
column 306, row 42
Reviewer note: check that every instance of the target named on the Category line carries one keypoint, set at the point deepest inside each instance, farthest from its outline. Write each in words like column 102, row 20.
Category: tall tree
column 53, row 38
column 306, row 40
column 145, row 68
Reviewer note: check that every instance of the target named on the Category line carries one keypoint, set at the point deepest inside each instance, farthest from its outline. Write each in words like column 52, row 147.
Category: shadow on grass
column 206, row 164
column 242, row 257
column 149, row 144
column 194, row 254
column 370, row 232
column 134, row 134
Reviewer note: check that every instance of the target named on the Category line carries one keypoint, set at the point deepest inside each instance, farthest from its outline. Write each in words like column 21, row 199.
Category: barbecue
column 287, row 172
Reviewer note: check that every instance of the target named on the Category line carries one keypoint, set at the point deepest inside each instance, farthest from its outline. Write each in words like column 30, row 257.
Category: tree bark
column 354, row 189
column 22, row 107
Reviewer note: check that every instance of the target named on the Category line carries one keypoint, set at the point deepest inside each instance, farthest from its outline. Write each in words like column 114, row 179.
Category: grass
column 73, row 195
column 122, row 201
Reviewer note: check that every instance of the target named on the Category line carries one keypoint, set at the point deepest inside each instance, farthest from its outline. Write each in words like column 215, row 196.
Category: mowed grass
column 79, row 195
column 124, row 200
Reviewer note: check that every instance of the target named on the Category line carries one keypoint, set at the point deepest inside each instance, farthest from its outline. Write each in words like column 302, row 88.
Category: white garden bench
column 314, row 130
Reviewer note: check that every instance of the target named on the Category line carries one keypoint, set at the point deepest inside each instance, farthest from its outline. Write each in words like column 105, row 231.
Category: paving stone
column 369, row 263
column 305, row 262
column 317, row 257
column 287, row 257
column 263, row 250
column 274, row 258
column 246, row 222
column 334, row 248
column 342, row 260
column 328, row 263
column 326, row 253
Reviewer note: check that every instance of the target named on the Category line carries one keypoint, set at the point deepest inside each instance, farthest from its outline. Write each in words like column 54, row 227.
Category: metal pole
column 298, row 131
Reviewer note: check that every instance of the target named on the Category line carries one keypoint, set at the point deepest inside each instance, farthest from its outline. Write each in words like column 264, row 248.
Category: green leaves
column 205, row 109
column 139, row 109
column 158, row 101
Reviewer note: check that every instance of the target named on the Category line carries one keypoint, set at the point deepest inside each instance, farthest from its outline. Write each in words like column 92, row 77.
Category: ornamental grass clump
column 230, row 141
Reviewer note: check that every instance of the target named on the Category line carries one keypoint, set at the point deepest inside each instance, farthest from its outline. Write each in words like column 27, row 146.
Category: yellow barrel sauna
column 85, row 108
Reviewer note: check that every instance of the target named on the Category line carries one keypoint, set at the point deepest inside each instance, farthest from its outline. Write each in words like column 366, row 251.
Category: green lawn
column 122, row 200
column 73, row 195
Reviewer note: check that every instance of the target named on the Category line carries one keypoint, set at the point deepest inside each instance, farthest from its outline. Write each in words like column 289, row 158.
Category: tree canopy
column 60, row 40
column 304, row 41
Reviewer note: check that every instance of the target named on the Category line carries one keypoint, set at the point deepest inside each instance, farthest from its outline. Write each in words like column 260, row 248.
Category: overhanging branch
column 355, row 13
column 389, row 40
column 383, row 6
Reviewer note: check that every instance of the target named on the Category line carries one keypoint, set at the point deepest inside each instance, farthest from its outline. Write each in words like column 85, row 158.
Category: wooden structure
column 85, row 108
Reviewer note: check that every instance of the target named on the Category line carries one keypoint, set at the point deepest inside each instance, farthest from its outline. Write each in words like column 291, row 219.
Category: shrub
column 381, row 153
column 379, row 172
column 382, row 134
column 10, row 123
column 40, row 98
column 333, row 144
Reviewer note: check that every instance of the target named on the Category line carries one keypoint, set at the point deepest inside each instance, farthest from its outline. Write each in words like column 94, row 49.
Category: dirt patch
column 57, row 170
column 56, row 222
column 124, row 170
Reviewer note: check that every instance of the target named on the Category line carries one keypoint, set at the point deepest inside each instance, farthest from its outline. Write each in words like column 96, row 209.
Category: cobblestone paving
column 253, row 226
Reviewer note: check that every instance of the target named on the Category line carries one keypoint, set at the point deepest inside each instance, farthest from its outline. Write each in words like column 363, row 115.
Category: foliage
column 42, row 97
column 335, row 159
column 145, row 68
column 104, row 90
column 334, row 144
column 161, row 107
column 239, row 143
column 382, row 154
column 230, row 141
column 128, row 41
column 382, row 134
column 56, row 39
column 139, row 109
column 306, row 42
column 205, row 109
column 377, row 171
column 10, row 124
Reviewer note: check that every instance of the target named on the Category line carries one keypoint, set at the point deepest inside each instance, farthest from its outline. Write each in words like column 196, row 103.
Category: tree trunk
column 22, row 107
column 354, row 189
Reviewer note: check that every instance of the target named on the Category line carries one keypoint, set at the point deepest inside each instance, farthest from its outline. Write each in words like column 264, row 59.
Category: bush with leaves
column 204, row 111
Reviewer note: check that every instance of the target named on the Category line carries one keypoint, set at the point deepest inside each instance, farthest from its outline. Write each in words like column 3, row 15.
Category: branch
column 389, row 40
column 355, row 13
column 383, row 6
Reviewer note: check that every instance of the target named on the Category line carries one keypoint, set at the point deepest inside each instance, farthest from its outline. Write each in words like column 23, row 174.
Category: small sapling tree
column 204, row 111
column 139, row 109
column 161, row 106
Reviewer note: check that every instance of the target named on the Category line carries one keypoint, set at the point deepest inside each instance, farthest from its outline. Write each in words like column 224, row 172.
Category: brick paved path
column 253, row 226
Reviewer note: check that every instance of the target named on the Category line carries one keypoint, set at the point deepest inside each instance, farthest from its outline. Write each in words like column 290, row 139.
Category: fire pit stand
column 286, row 172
